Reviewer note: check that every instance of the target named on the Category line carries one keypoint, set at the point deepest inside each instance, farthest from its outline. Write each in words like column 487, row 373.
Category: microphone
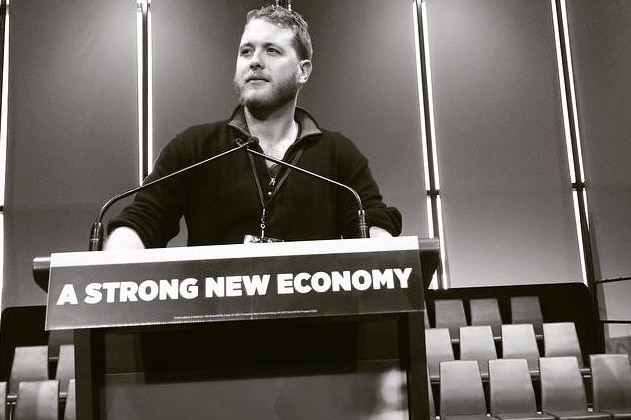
column 96, row 233
column 361, row 214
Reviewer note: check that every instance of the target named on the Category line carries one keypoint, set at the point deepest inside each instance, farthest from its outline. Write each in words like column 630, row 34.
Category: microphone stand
column 361, row 214
column 96, row 233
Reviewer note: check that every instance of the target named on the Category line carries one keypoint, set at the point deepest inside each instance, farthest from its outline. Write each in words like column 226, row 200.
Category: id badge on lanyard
column 273, row 187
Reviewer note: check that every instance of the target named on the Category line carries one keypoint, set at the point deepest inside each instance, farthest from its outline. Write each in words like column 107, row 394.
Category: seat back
column 438, row 349
column 38, row 400
column 30, row 363
column 476, row 343
column 450, row 314
column 562, row 386
column 20, row 326
column 519, row 342
column 486, row 312
column 510, row 387
column 65, row 367
column 430, row 398
column 70, row 411
column 56, row 339
column 560, row 339
column 461, row 391
column 611, row 381
column 3, row 401
column 527, row 310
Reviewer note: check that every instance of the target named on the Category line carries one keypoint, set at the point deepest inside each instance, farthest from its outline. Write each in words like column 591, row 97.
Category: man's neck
column 275, row 127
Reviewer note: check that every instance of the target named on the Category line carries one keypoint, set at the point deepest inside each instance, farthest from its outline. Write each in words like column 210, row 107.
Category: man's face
column 269, row 72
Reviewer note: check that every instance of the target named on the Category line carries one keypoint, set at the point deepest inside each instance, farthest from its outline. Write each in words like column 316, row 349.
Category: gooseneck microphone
column 361, row 214
column 96, row 233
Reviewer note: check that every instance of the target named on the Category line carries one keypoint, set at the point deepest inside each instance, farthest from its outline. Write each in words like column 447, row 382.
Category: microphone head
column 249, row 141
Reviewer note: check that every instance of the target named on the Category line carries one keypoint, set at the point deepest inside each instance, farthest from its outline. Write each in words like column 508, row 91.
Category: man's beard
column 262, row 104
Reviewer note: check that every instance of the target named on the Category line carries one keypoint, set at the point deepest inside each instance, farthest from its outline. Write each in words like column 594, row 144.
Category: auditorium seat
column 476, row 343
column 511, row 392
column 430, row 397
column 611, row 381
column 38, row 400
column 20, row 326
column 70, row 411
column 3, row 401
column 30, row 363
column 527, row 310
column 486, row 312
column 461, row 392
column 563, row 392
column 65, row 368
column 519, row 342
column 560, row 339
column 56, row 339
column 438, row 349
column 449, row 313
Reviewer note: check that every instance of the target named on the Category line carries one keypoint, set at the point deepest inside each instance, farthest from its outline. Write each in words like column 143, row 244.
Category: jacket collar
column 308, row 125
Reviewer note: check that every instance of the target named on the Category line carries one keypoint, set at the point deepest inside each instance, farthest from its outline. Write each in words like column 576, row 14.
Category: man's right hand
column 123, row 238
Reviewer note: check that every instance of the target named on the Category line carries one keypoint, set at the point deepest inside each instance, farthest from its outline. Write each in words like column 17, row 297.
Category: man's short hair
column 287, row 19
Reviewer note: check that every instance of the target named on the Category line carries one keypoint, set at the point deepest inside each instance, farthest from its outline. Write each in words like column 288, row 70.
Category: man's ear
column 304, row 71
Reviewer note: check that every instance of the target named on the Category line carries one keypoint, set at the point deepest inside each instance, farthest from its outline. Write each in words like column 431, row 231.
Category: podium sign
column 234, row 282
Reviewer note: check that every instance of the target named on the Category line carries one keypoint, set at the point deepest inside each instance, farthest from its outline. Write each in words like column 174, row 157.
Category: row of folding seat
column 31, row 363
column 518, row 341
column 450, row 313
column 512, row 395
column 39, row 400
column 33, row 390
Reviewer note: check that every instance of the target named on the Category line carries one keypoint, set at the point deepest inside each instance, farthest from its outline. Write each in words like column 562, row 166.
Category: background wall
column 507, row 199
column 505, row 188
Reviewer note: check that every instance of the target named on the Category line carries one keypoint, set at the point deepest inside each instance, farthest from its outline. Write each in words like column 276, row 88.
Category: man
column 242, row 195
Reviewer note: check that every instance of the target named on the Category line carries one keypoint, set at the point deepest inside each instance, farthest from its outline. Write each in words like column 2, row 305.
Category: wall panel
column 600, row 35
column 363, row 84
column 72, row 127
column 504, row 179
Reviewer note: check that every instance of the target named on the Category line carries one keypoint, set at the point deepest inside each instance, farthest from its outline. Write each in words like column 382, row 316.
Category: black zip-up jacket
column 221, row 202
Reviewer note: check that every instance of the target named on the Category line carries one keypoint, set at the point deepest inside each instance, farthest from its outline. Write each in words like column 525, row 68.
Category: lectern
column 244, row 286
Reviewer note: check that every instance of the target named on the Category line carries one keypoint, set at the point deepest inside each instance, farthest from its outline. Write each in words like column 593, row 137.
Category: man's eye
column 274, row 51
column 245, row 51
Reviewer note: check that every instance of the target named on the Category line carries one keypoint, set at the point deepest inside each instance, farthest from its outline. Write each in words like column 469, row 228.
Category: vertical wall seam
column 428, row 133
column 4, row 120
column 575, row 158
column 570, row 116
column 4, row 97
column 144, row 89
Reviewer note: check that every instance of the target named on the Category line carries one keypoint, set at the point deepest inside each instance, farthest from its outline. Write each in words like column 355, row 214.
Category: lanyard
column 272, row 187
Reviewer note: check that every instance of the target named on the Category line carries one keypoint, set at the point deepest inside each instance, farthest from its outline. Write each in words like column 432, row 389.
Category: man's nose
column 256, row 60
